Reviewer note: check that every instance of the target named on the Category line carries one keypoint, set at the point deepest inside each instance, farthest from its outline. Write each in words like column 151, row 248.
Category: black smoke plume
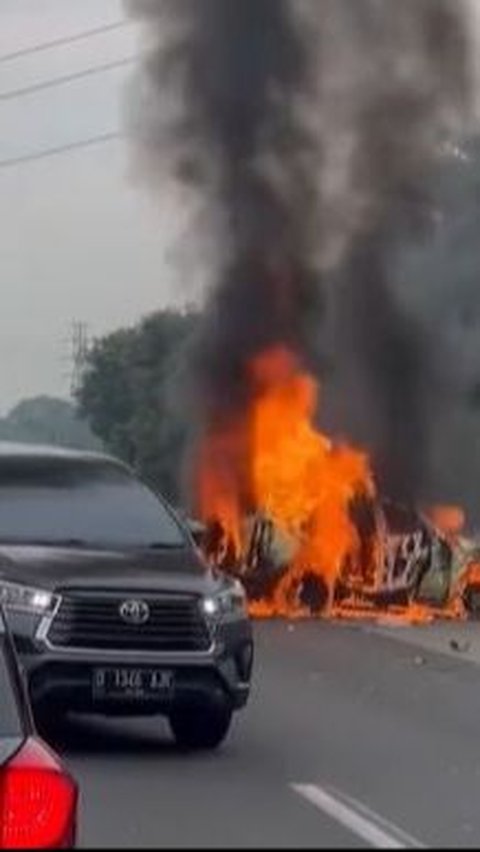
column 312, row 129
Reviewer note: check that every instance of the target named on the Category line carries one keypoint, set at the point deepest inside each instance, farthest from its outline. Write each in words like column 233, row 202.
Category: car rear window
column 99, row 503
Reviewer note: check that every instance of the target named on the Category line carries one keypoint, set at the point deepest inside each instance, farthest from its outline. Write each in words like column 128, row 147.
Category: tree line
column 132, row 394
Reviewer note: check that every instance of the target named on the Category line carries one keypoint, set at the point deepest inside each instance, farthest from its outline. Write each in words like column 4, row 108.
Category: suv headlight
column 232, row 601
column 18, row 598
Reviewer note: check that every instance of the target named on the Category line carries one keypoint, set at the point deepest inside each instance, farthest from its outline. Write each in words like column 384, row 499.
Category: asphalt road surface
column 352, row 738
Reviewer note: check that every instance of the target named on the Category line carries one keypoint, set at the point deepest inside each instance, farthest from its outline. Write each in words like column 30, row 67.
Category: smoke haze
column 313, row 132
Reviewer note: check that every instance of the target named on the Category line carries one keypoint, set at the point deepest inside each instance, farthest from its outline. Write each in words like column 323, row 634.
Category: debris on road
column 461, row 647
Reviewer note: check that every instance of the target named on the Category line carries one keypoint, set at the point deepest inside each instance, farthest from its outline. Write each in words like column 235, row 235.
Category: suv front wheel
column 200, row 727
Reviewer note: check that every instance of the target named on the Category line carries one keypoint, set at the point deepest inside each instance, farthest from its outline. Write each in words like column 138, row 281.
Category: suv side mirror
column 197, row 531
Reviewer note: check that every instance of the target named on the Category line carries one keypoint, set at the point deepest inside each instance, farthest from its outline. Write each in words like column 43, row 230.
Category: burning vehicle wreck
column 419, row 571
column 301, row 521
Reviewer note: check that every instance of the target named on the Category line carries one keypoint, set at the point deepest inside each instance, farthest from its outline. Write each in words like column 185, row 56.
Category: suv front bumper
column 63, row 677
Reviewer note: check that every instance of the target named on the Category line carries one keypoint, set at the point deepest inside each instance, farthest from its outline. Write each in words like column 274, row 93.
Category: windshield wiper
column 162, row 545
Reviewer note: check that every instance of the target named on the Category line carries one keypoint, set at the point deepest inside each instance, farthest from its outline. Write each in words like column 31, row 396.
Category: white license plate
column 121, row 682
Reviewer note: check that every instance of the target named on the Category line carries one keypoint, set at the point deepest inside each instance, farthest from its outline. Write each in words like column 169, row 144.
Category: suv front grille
column 93, row 620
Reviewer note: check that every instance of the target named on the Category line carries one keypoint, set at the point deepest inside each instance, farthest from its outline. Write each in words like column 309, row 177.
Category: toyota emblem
column 134, row 612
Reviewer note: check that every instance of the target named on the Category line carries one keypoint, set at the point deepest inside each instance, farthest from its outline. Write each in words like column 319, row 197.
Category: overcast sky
column 79, row 240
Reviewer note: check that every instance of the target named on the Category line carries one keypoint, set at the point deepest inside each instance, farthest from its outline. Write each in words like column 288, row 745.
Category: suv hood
column 178, row 570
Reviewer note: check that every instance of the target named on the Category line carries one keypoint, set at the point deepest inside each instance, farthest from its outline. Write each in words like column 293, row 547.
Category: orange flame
column 217, row 484
column 301, row 480
column 448, row 519
column 293, row 474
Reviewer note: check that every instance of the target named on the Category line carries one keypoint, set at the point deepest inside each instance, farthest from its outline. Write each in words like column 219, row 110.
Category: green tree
column 47, row 420
column 132, row 395
column 105, row 395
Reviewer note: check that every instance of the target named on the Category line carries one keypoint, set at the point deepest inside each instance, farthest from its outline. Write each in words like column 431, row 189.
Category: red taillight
column 38, row 801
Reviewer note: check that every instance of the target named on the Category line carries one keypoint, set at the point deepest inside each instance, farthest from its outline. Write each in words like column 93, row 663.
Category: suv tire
column 200, row 728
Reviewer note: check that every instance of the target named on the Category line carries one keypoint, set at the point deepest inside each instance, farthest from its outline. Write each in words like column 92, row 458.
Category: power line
column 61, row 149
column 67, row 78
column 59, row 42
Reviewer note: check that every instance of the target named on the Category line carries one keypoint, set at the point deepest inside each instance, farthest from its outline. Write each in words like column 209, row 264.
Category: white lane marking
column 357, row 818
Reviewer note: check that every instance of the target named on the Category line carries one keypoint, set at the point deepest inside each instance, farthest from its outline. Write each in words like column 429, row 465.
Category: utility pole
column 78, row 343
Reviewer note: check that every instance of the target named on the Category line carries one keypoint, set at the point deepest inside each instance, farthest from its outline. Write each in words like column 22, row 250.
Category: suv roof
column 12, row 450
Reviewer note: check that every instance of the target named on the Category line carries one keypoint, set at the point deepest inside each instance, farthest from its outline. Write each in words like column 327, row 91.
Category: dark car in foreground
column 111, row 606
column 38, row 798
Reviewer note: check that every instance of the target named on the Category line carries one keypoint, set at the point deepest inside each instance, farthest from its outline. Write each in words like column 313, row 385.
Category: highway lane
column 342, row 718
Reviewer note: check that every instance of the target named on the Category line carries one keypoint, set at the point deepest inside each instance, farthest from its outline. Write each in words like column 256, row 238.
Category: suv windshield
column 90, row 502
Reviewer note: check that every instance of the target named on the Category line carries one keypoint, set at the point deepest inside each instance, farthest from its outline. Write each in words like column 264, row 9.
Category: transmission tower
column 78, row 348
